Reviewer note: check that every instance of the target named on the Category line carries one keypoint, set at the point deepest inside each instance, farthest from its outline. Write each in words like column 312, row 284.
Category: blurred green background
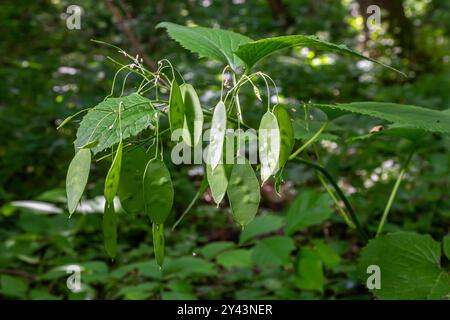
column 49, row 72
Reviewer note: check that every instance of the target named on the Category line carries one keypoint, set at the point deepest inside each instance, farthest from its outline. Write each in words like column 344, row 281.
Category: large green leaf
column 412, row 116
column 309, row 270
column 210, row 43
column 238, row 258
column 409, row 266
column 102, row 123
column 254, row 51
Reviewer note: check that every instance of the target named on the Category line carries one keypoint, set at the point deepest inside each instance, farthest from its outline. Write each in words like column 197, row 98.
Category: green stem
column 339, row 192
column 200, row 191
column 307, row 143
column 392, row 195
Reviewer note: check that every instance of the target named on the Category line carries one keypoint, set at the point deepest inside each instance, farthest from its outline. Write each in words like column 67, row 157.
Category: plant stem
column 307, row 143
column 200, row 191
column 392, row 195
column 339, row 192
column 238, row 104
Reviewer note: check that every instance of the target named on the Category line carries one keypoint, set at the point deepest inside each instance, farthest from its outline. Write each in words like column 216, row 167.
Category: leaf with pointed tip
column 408, row 115
column 102, row 124
column 210, row 43
column 254, row 51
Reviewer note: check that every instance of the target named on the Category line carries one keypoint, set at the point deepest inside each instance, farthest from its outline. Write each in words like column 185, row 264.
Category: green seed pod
column 193, row 122
column 77, row 177
column 287, row 139
column 158, row 242
column 110, row 230
column 113, row 177
column 269, row 145
column 158, row 191
column 131, row 185
column 176, row 108
column 244, row 193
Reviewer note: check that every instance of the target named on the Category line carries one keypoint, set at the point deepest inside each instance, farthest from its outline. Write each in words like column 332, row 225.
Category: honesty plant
column 131, row 132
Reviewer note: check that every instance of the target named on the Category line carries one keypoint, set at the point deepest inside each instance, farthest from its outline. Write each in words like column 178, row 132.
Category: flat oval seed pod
column 176, row 108
column 287, row 139
column 268, row 145
column 193, row 122
column 130, row 186
column 158, row 242
column 110, row 229
column 113, row 177
column 77, row 177
column 218, row 127
column 218, row 181
column 158, row 191
column 243, row 192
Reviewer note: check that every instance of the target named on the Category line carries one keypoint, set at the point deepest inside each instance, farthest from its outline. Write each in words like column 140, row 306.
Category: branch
column 123, row 25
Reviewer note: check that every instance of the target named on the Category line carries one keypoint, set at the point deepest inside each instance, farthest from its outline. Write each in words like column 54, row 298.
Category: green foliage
column 308, row 209
column 409, row 264
column 215, row 44
column 273, row 251
column 176, row 107
column 254, row 51
column 57, row 74
column 413, row 116
column 193, row 121
column 115, row 119
column 113, row 177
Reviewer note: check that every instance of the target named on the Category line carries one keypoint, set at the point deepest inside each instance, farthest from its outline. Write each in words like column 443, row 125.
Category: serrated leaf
column 77, row 177
column 261, row 225
column 412, row 116
column 216, row 44
column 309, row 208
column 254, row 51
column 268, row 145
column 273, row 251
column 102, row 124
column 409, row 265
